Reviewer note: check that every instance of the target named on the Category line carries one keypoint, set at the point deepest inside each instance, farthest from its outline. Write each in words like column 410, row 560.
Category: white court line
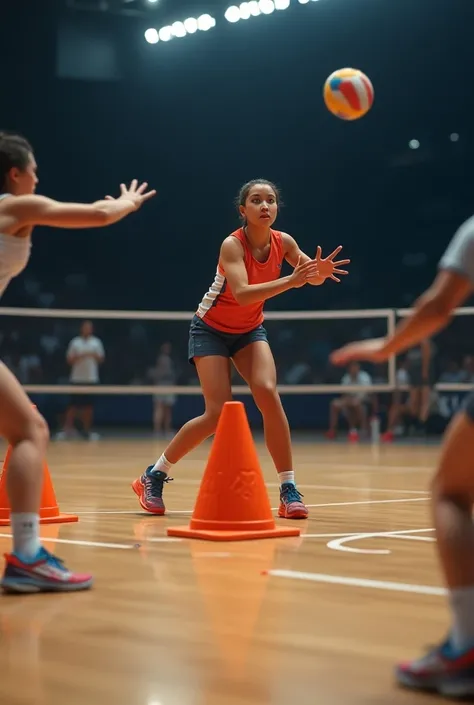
column 94, row 544
column 357, row 489
column 197, row 482
column 371, row 501
column 274, row 509
column 390, row 534
column 413, row 538
column 358, row 582
column 137, row 512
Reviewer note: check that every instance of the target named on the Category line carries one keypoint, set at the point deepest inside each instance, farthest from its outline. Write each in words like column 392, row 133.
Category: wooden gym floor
column 178, row 622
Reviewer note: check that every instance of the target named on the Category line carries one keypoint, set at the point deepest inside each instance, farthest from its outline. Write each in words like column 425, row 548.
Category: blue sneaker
column 442, row 670
column 149, row 490
column 45, row 573
column 291, row 506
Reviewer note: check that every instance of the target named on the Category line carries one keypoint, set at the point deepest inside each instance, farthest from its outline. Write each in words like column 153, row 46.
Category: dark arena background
column 197, row 98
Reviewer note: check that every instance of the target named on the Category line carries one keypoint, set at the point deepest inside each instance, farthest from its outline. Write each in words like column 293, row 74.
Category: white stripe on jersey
column 210, row 296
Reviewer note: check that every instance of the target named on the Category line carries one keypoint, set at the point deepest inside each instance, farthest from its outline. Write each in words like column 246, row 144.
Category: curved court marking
column 340, row 544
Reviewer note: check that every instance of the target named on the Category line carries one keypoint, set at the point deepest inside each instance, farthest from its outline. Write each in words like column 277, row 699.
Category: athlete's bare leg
column 214, row 376
column 256, row 365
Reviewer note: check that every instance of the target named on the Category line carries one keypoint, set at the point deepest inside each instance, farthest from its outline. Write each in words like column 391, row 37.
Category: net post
column 392, row 368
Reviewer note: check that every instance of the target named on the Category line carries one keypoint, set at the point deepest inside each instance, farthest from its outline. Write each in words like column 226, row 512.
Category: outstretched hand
column 327, row 267
column 369, row 350
column 134, row 193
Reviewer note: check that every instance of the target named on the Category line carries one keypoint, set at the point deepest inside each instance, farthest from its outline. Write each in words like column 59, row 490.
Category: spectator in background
column 352, row 405
column 400, row 404
column 84, row 355
column 467, row 372
column 163, row 374
column 420, row 371
column 452, row 373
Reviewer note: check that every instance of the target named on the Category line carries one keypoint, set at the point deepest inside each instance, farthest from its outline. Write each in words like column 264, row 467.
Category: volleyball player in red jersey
column 228, row 326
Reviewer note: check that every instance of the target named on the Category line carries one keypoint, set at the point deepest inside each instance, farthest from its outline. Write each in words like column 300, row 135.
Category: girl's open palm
column 327, row 267
column 134, row 193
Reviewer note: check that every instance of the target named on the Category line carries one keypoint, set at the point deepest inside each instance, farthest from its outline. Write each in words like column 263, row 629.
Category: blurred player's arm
column 433, row 310
column 327, row 268
column 232, row 259
column 34, row 210
column 451, row 287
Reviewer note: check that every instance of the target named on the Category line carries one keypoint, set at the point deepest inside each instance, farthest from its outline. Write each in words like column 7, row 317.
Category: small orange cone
column 232, row 503
column 49, row 510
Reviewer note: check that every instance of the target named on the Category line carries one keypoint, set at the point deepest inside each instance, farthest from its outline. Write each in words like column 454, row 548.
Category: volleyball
column 348, row 94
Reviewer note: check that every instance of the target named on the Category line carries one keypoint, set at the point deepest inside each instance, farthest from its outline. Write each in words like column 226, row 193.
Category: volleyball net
column 34, row 344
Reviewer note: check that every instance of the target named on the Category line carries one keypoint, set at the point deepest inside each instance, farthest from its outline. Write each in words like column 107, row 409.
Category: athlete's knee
column 212, row 414
column 39, row 431
column 265, row 393
column 454, row 476
column 34, row 429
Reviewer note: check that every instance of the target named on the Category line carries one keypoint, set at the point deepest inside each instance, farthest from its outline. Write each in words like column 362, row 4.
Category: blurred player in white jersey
column 449, row 668
column 30, row 567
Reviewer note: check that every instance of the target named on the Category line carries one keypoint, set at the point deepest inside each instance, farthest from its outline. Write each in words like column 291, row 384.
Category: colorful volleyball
column 348, row 94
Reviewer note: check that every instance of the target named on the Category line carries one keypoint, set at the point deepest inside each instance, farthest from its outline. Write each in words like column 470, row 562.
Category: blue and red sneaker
column 149, row 490
column 291, row 505
column 45, row 573
column 442, row 670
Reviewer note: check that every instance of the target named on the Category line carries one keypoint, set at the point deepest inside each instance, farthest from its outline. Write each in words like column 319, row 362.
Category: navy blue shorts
column 205, row 341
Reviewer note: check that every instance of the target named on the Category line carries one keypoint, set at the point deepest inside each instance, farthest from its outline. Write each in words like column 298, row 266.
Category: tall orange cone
column 232, row 503
column 49, row 510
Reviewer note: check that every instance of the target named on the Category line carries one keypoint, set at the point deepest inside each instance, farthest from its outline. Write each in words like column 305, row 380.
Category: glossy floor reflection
column 179, row 622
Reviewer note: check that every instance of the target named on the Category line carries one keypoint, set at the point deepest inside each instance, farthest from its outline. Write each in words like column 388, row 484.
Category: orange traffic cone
column 233, row 503
column 49, row 510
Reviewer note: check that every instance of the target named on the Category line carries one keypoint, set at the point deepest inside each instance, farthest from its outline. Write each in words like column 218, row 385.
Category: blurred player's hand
column 134, row 193
column 372, row 350
column 327, row 267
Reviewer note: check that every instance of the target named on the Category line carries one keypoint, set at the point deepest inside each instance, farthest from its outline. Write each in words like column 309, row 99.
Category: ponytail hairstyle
column 15, row 152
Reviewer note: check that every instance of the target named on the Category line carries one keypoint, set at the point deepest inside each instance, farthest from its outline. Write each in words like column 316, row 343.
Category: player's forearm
column 426, row 320
column 115, row 210
column 255, row 293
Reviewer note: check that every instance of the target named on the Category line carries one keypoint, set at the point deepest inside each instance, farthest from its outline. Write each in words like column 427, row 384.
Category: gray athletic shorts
column 205, row 341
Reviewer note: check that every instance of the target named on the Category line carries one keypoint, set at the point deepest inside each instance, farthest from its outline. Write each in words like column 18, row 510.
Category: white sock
column 25, row 529
column 162, row 465
column 462, row 607
column 286, row 476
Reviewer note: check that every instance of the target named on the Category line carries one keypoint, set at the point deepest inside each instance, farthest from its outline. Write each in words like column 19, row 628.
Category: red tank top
column 218, row 307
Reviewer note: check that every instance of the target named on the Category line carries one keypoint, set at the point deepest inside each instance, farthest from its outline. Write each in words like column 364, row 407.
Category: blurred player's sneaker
column 149, row 489
column 45, row 573
column 92, row 436
column 442, row 670
column 291, row 506
column 330, row 435
column 388, row 437
column 353, row 436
